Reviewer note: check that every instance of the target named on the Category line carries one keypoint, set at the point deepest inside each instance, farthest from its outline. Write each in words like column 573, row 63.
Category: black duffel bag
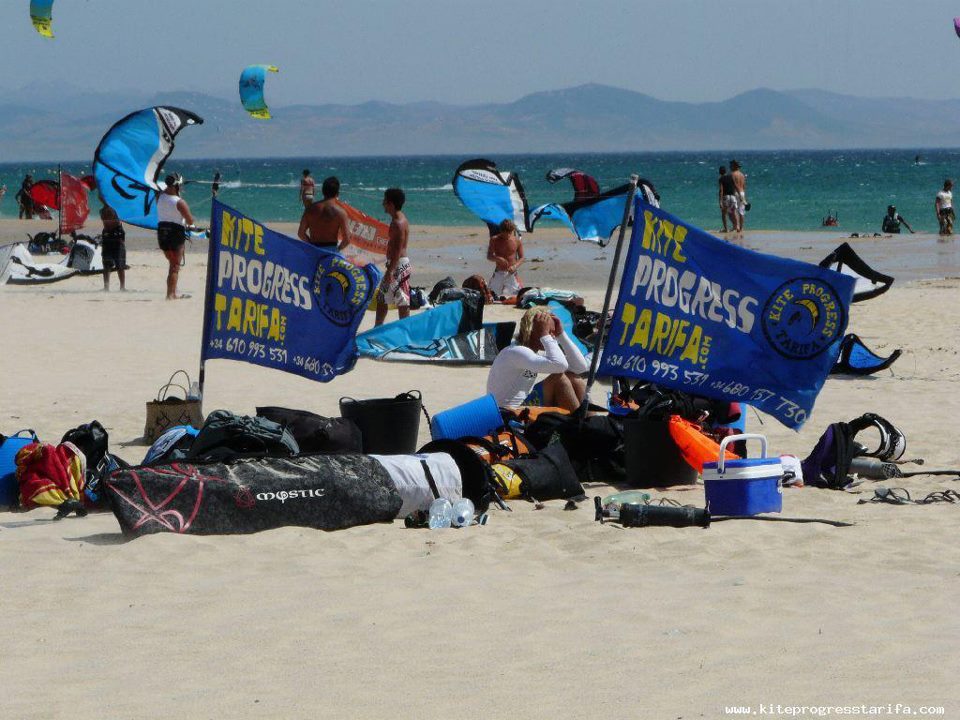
column 547, row 475
column 595, row 447
column 226, row 436
column 316, row 433
column 326, row 492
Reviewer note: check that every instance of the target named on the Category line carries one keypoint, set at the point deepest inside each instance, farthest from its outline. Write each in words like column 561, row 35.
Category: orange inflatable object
column 695, row 447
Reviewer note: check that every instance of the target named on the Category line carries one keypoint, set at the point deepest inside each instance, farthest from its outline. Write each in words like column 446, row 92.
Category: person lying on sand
column 542, row 347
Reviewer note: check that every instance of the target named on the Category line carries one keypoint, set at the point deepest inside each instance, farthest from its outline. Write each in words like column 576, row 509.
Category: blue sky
column 469, row 52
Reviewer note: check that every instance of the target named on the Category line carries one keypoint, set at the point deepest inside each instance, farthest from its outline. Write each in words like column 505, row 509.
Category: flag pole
column 205, row 335
column 60, row 202
column 601, row 336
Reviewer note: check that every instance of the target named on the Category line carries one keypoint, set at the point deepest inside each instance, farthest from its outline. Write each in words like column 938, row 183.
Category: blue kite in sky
column 252, row 80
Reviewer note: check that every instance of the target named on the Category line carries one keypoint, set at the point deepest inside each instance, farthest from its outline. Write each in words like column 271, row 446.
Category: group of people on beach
column 542, row 348
column 325, row 224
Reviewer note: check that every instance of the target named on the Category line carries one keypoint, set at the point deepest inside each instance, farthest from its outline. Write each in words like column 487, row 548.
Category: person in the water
column 893, row 220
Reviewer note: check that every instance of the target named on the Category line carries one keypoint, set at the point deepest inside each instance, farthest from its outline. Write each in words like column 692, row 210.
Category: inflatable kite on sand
column 252, row 80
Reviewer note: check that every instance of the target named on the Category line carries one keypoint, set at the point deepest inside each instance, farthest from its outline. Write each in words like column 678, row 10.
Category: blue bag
column 9, row 447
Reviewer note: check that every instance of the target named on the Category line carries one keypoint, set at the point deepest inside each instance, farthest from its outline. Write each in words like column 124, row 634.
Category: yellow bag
column 507, row 481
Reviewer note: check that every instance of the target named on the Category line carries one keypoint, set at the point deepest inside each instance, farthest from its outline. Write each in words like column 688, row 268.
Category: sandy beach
column 540, row 613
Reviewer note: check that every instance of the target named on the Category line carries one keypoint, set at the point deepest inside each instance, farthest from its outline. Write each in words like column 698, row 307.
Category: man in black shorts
column 113, row 247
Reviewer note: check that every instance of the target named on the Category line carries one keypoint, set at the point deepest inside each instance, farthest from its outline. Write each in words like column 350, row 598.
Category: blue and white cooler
column 743, row 487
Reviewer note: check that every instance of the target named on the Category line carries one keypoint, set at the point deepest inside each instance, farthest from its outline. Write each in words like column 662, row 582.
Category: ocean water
column 789, row 190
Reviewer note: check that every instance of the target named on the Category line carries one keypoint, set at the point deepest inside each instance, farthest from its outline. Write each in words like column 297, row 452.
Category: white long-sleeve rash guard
column 515, row 369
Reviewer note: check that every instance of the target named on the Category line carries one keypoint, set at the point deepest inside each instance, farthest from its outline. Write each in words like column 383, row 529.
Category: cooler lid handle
column 736, row 438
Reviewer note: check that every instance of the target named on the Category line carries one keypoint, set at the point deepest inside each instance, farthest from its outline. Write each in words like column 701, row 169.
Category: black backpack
column 91, row 439
column 595, row 448
column 547, row 475
column 225, row 436
column 315, row 433
column 446, row 284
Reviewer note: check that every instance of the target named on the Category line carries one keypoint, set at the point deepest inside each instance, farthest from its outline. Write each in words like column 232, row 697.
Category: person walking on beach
column 740, row 182
column 308, row 189
column 395, row 286
column 892, row 221
column 727, row 197
column 174, row 217
column 505, row 251
column 324, row 223
column 24, row 200
column 944, row 208
column 215, row 187
column 542, row 347
column 113, row 247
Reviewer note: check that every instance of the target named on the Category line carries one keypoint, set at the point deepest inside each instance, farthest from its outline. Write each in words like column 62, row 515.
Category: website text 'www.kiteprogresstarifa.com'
column 888, row 710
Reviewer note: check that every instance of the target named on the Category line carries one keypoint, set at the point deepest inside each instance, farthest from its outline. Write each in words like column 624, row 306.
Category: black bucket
column 652, row 458
column 390, row 426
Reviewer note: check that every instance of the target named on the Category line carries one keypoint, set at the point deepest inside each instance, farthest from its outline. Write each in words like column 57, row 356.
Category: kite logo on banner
column 803, row 318
column 342, row 290
column 707, row 317
column 279, row 302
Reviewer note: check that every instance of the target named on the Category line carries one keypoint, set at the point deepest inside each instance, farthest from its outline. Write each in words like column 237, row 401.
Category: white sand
column 542, row 614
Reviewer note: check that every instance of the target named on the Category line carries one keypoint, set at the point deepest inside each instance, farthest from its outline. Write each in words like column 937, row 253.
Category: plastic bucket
column 652, row 458
column 743, row 487
column 9, row 487
column 389, row 426
column 475, row 418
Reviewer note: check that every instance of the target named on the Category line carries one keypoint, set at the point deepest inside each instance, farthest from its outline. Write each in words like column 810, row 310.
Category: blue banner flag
column 279, row 302
column 710, row 318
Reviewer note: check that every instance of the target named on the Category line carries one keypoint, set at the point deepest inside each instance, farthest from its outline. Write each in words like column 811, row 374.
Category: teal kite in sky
column 251, row 90
column 41, row 14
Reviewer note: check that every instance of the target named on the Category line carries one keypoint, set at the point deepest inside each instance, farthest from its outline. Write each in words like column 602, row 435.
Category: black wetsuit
column 891, row 223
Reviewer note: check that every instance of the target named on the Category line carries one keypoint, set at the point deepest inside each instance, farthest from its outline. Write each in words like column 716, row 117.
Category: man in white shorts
column 505, row 251
column 395, row 286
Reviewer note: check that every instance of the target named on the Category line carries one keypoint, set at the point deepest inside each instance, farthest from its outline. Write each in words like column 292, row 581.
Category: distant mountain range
column 58, row 122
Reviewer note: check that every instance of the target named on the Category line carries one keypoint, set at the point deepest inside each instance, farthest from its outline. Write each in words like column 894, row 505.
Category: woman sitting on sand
column 542, row 347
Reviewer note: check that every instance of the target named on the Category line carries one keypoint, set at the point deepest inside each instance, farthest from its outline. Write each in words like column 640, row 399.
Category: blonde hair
column 526, row 323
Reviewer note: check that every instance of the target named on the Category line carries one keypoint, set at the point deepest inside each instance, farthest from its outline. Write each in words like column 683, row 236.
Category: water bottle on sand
column 463, row 513
column 441, row 514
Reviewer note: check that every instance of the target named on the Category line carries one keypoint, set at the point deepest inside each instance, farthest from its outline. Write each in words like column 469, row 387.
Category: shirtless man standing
column 395, row 287
column 506, row 252
column 324, row 224
column 308, row 189
column 740, row 181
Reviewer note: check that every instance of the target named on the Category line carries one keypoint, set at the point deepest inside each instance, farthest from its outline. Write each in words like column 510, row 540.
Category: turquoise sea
column 789, row 190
